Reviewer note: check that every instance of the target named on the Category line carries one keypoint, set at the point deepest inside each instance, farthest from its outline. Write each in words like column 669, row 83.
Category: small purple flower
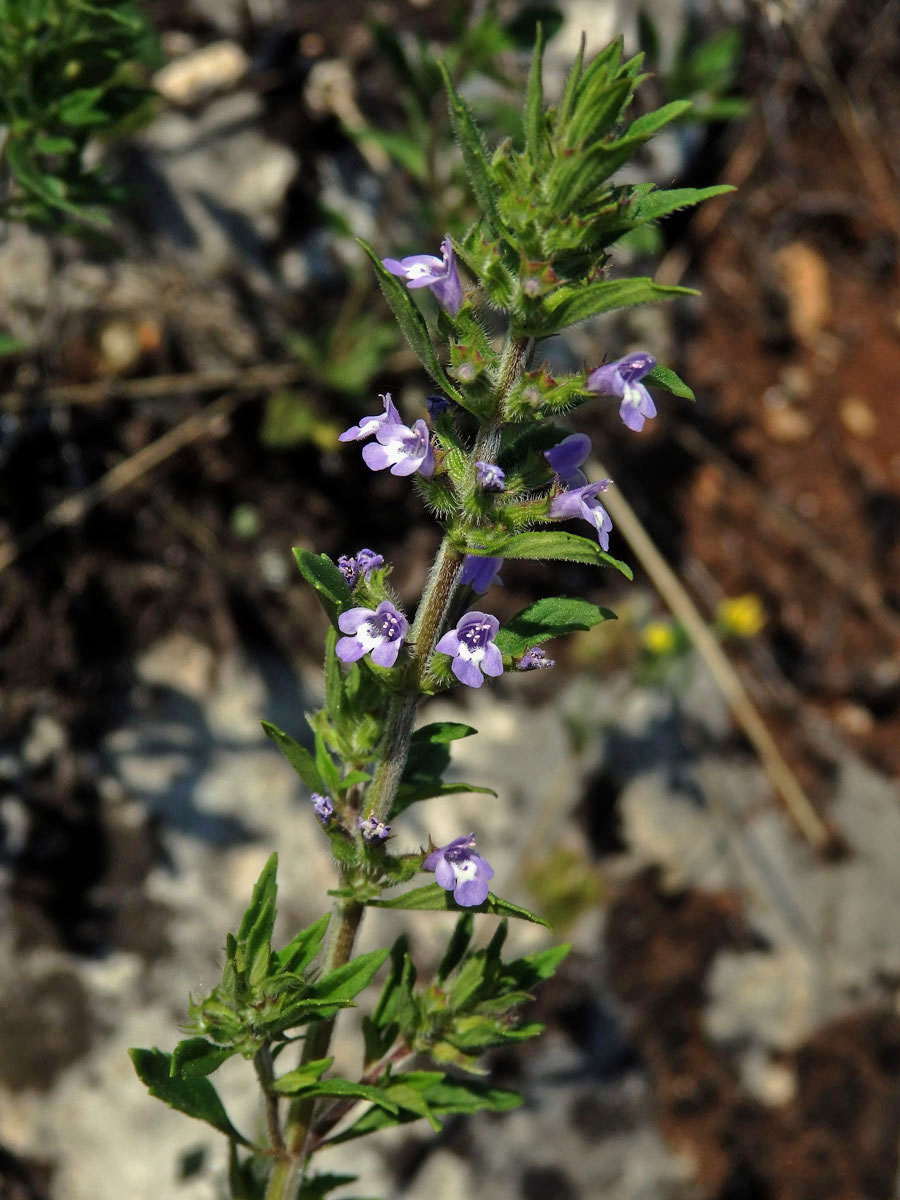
column 323, row 806
column 535, row 659
column 472, row 648
column 622, row 378
column 401, row 448
column 436, row 405
column 480, row 571
column 459, row 870
column 439, row 274
column 378, row 632
column 370, row 425
column 582, row 502
column 566, row 458
column 372, row 829
column 490, row 477
column 364, row 563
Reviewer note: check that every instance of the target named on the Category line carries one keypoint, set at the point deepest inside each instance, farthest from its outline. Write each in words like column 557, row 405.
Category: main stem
column 347, row 915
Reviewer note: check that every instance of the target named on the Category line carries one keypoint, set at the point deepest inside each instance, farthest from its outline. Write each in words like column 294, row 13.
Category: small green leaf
column 457, row 946
column 552, row 545
column 338, row 1087
column 318, row 1186
column 551, row 617
column 534, row 102
column 474, row 153
column 568, row 306
column 195, row 1097
column 346, row 982
column 659, row 203
column 298, row 756
column 330, row 585
column 442, row 731
column 411, row 322
column 429, row 789
column 197, row 1056
column 294, row 1081
column 666, row 378
column 302, row 948
column 433, row 898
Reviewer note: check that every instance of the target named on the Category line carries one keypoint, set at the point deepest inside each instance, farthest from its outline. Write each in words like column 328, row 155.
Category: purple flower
column 364, row 563
column 582, row 502
column 370, row 425
column 461, row 871
column 622, row 378
column 490, row 477
column 401, row 448
column 439, row 274
column 535, row 659
column 436, row 405
column 566, row 458
column 323, row 806
column 472, row 648
column 372, row 829
column 480, row 571
column 378, row 632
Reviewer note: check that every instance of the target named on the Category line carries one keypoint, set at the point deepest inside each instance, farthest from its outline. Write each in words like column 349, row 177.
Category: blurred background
column 186, row 324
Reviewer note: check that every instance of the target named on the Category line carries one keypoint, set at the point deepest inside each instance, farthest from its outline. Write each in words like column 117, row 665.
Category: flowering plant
column 500, row 475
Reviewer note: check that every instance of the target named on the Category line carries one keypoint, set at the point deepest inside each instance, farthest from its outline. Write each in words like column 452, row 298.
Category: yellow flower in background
column 658, row 637
column 741, row 616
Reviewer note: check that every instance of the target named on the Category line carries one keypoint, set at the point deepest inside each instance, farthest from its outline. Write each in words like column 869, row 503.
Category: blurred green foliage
column 71, row 71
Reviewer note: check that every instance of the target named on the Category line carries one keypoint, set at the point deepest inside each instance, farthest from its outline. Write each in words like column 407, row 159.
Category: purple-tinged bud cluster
column 490, row 477
column 480, row 571
column 471, row 646
column 373, row 830
column 535, row 659
column 438, row 274
column 458, row 869
column 323, row 806
column 582, row 502
column 436, row 405
column 379, row 632
column 362, row 564
column 622, row 378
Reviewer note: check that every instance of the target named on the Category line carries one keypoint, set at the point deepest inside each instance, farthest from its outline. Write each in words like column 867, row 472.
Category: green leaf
column 294, row 1081
column 77, row 107
column 568, row 306
column 442, row 731
column 551, row 617
column 411, row 322
column 348, row 981
column 457, row 946
column 474, row 153
column 10, row 345
column 407, row 151
column 666, row 378
column 433, row 898
column 552, row 545
column 327, row 767
column 659, row 203
column 302, row 948
column 534, row 102
column 197, row 1056
column 318, row 1186
column 298, row 756
column 338, row 1087
column 258, row 922
column 430, row 789
column 194, row 1097
column 330, row 585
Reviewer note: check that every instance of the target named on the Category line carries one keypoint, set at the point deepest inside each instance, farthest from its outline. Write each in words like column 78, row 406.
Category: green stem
column 426, row 628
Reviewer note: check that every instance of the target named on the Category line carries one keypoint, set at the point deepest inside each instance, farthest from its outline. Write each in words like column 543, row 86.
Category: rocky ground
column 727, row 1024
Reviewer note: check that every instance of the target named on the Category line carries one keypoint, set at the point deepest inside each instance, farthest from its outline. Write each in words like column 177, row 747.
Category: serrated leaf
column 442, row 731
column 551, row 617
column 197, row 1056
column 411, row 322
column 327, row 579
column 666, row 378
column 433, row 898
column 302, row 948
column 298, row 756
column 348, row 981
column 474, row 154
column 660, row 202
column 568, row 306
column 195, row 1097
column 556, row 545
